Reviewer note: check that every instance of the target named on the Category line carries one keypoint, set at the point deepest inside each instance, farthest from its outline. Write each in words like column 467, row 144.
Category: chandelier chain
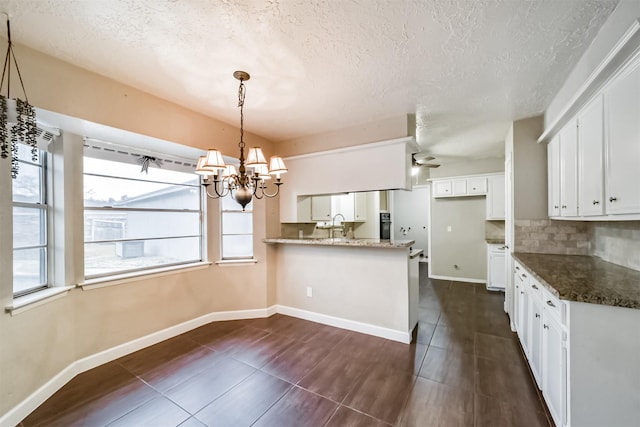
column 241, row 94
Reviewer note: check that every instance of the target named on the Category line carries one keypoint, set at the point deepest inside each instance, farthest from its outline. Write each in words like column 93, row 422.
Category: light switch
column 449, row 228
column 309, row 291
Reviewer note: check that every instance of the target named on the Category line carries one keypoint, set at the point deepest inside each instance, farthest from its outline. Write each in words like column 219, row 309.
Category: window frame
column 125, row 157
column 42, row 206
column 237, row 209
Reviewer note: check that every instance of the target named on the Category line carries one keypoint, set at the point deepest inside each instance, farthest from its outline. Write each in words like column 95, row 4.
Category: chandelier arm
column 218, row 194
column 264, row 193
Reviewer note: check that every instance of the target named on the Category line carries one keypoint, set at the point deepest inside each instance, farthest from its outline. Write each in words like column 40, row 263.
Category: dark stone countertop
column 584, row 278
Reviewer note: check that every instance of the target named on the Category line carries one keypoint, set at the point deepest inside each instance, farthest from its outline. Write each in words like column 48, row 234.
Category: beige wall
column 39, row 343
column 466, row 216
column 382, row 130
column 529, row 170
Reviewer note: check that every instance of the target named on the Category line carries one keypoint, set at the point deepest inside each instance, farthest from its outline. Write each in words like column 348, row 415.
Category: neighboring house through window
column 135, row 221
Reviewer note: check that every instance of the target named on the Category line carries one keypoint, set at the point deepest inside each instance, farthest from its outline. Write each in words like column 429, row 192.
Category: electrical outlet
column 309, row 291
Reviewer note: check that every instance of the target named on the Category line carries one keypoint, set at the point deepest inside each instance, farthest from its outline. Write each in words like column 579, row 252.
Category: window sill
column 225, row 262
column 120, row 279
column 36, row 299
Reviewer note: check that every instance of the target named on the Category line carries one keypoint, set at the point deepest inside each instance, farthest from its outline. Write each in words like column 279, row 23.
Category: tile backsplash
column 617, row 242
column 552, row 237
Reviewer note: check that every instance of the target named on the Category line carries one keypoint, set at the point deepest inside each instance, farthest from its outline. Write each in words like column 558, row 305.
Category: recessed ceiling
column 465, row 68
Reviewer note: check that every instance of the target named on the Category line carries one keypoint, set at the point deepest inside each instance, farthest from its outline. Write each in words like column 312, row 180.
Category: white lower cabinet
column 496, row 279
column 543, row 336
column 554, row 367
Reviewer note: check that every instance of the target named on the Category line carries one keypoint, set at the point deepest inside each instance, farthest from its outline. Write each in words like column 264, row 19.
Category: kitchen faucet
column 331, row 234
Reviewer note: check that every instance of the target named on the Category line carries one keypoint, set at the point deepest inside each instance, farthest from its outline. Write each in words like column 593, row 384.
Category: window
column 29, row 223
column 134, row 221
column 237, row 229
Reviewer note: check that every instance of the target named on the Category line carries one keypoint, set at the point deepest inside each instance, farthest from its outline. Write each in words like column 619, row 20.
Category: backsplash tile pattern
column 617, row 242
column 552, row 237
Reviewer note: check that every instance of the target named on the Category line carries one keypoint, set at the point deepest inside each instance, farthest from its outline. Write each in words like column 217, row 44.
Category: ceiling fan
column 423, row 159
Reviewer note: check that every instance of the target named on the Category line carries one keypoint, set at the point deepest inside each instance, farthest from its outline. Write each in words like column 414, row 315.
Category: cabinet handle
column 596, row 202
column 545, row 326
column 537, row 315
column 613, row 199
column 534, row 286
column 564, row 206
column 550, row 304
column 555, row 207
column 524, row 275
column 517, row 268
column 521, row 292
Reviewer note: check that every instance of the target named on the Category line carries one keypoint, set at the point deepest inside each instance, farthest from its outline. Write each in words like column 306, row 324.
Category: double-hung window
column 237, row 229
column 29, row 223
column 136, row 220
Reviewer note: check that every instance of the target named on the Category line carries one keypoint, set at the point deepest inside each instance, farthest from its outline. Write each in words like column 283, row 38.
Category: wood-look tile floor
column 464, row 368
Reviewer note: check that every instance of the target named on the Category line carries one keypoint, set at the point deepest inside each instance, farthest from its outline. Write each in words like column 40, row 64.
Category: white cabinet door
column 553, row 176
column 343, row 204
column 569, row 169
column 535, row 335
column 321, row 208
column 360, row 206
column 554, row 363
column 496, row 279
column 442, row 188
column 590, row 159
column 496, row 205
column 622, row 192
column 459, row 187
column 477, row 185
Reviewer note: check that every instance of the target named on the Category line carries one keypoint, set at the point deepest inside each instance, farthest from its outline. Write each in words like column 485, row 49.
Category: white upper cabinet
column 459, row 187
column 622, row 109
column 553, row 172
column 442, row 188
column 569, row 169
column 473, row 185
column 477, row 185
column 496, row 204
column 321, row 208
column 594, row 160
column 590, row 159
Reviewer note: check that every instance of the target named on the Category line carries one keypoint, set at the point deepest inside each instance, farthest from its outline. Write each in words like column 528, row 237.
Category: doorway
column 410, row 217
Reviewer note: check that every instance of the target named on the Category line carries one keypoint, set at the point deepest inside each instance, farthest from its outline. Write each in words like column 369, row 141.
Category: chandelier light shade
column 249, row 180
column 17, row 117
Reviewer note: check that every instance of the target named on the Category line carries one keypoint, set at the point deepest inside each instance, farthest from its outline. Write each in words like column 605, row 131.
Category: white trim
column 352, row 325
column 403, row 139
column 28, row 405
column 227, row 262
column 36, row 299
column 615, row 60
column 458, row 279
column 119, row 279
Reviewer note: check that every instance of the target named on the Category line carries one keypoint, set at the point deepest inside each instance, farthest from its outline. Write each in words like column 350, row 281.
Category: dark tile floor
column 464, row 368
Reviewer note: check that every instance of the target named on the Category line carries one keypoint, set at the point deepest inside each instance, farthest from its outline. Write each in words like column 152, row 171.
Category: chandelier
column 250, row 180
column 17, row 117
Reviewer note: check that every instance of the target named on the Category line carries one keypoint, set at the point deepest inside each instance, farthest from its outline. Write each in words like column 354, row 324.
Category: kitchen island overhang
column 365, row 285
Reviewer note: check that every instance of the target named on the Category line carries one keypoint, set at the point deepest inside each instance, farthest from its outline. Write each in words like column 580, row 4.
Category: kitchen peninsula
column 365, row 285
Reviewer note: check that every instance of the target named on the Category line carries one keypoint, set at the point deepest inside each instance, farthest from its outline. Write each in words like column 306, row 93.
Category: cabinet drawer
column 554, row 305
column 535, row 288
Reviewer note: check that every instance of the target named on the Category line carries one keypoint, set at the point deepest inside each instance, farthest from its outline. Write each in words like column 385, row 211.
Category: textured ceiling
column 465, row 68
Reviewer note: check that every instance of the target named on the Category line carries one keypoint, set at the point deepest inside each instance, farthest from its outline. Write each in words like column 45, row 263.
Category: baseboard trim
column 457, row 279
column 28, row 405
column 351, row 325
column 24, row 408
